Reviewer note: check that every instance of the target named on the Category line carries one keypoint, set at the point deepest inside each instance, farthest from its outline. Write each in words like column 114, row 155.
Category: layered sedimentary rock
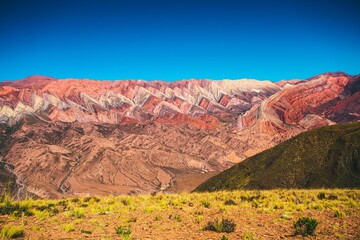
column 77, row 136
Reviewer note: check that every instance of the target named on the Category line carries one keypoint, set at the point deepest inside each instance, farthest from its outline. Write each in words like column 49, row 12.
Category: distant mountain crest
column 78, row 136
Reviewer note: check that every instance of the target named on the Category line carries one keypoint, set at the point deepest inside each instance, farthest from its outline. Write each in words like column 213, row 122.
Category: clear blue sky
column 172, row 40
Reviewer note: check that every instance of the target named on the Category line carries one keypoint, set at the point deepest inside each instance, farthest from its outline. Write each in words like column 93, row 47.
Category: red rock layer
column 70, row 137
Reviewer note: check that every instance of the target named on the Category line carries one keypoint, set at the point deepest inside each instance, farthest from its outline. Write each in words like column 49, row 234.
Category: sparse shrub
column 77, row 221
column 68, row 227
column 230, row 202
column 149, row 209
column 321, row 196
column 332, row 197
column 41, row 215
column 206, row 204
column 86, row 231
column 101, row 210
column 224, row 238
column 78, row 213
column 86, row 199
column 123, row 232
column 225, row 225
column 42, row 207
column 63, row 203
column 75, row 200
column 197, row 213
column 94, row 200
column 93, row 221
column 12, row 231
column 14, row 209
column 133, row 219
column 175, row 217
column 38, row 228
column 338, row 213
column 248, row 235
column 305, row 226
column 54, row 220
column 243, row 198
column 255, row 203
column 125, row 202
column 254, row 197
column 286, row 215
column 199, row 219
column 157, row 218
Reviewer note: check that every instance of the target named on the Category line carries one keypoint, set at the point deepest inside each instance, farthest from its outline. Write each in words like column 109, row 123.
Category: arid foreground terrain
column 257, row 215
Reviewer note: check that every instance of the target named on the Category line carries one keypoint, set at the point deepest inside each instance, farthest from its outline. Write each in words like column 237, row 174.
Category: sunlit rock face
column 75, row 136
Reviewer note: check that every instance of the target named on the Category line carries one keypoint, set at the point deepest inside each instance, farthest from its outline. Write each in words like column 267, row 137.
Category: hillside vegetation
column 270, row 214
column 326, row 157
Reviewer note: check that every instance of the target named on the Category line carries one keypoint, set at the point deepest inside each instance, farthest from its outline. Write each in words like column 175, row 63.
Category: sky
column 173, row 40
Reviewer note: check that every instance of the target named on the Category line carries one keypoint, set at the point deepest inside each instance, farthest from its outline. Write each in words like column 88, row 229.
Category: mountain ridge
column 139, row 137
column 327, row 157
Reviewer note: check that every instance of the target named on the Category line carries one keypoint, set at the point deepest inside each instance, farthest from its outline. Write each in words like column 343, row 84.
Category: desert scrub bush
column 316, row 206
column 9, row 231
column 76, row 213
column 229, row 202
column 125, row 202
column 224, row 238
column 68, row 227
column 223, row 209
column 286, row 215
column 41, row 215
column 206, row 204
column 132, row 219
column 94, row 200
column 248, row 235
column 123, row 232
column 338, row 213
column 225, row 225
column 94, row 221
column 321, row 196
column 197, row 213
column 38, row 228
column 305, row 226
column 77, row 221
column 75, row 200
column 157, row 218
column 54, row 220
column 86, row 231
column 14, row 209
column 175, row 217
column 199, row 219
column 86, row 199
column 150, row 209
column 101, row 210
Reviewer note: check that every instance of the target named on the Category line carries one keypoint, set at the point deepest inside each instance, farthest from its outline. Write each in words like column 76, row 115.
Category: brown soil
column 183, row 216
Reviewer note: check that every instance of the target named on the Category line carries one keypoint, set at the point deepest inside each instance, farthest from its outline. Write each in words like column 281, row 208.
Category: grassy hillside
column 268, row 214
column 326, row 157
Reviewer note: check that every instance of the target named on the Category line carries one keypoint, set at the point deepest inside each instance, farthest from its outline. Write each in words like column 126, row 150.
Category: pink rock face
column 68, row 137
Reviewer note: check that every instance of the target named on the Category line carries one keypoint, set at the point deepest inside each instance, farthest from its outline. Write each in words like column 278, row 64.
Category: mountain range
column 63, row 137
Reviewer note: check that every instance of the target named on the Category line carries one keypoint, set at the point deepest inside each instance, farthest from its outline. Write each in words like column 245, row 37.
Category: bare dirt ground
column 188, row 181
column 257, row 215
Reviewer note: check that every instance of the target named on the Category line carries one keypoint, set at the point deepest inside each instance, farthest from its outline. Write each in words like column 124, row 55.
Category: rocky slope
column 84, row 136
column 328, row 157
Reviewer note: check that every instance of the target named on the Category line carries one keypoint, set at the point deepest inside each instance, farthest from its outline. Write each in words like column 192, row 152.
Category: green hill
column 327, row 157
